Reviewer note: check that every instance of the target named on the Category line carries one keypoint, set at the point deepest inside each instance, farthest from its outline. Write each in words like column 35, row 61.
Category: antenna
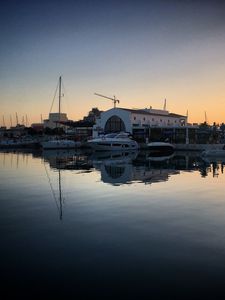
column 11, row 120
column 187, row 115
column 164, row 106
column 3, row 119
column 113, row 99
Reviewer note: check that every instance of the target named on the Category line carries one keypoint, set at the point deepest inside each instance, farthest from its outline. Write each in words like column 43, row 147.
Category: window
column 114, row 124
column 134, row 118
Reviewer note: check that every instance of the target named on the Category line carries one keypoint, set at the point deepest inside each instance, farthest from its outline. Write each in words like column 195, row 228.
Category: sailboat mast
column 60, row 87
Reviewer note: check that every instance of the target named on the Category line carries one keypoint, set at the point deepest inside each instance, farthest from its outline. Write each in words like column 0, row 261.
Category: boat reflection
column 67, row 159
column 160, row 158
column 121, row 167
column 116, row 167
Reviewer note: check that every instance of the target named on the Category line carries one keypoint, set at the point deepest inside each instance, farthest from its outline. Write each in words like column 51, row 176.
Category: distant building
column 92, row 115
column 82, row 129
column 130, row 120
column 38, row 127
column 54, row 120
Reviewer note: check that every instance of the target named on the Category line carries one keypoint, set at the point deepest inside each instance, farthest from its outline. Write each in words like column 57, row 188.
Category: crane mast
column 113, row 99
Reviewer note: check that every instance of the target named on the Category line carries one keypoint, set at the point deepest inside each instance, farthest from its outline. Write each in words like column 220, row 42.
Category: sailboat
column 58, row 143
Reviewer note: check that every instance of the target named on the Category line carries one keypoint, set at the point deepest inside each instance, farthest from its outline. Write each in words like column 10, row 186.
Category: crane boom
column 113, row 99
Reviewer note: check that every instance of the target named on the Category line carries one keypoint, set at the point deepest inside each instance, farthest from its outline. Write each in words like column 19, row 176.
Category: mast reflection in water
column 133, row 166
column 126, row 224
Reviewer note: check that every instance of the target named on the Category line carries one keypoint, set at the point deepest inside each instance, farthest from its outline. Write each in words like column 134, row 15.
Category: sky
column 140, row 51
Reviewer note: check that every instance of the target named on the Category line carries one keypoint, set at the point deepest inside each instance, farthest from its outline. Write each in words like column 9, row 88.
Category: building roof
column 145, row 112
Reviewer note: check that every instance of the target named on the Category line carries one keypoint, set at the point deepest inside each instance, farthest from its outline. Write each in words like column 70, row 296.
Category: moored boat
column 113, row 141
column 60, row 144
column 19, row 143
column 160, row 148
column 214, row 152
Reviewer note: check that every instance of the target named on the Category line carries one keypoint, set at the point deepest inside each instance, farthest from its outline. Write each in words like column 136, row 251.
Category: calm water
column 123, row 226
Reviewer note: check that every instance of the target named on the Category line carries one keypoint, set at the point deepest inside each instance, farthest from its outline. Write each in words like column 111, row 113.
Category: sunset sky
column 140, row 51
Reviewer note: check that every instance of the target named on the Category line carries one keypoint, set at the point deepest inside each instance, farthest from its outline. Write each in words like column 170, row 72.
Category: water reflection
column 118, row 168
column 114, row 227
column 126, row 167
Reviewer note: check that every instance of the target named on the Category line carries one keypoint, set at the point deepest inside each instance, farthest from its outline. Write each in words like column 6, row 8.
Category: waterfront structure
column 55, row 120
column 137, row 120
column 38, row 127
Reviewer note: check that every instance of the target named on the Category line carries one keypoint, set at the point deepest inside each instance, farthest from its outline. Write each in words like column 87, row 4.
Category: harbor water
column 112, row 225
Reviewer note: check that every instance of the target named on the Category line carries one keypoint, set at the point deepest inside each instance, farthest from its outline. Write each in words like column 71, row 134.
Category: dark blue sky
column 140, row 50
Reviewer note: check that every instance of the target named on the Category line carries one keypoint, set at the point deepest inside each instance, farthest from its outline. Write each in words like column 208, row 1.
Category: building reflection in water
column 118, row 168
column 124, row 167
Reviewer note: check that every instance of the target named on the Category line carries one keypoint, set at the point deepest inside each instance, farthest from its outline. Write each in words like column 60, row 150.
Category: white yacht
column 113, row 141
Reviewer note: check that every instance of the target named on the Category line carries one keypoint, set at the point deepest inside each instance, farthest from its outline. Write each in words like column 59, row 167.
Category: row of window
column 168, row 121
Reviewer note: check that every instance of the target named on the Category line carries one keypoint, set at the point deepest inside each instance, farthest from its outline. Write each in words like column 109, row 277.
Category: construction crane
column 113, row 99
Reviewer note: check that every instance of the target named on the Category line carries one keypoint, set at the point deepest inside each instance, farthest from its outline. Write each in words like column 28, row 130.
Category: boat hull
column 214, row 153
column 113, row 142
column 113, row 146
column 160, row 149
column 50, row 145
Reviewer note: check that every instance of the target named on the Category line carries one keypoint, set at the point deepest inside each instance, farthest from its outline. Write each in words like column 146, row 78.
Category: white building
column 54, row 119
column 123, row 119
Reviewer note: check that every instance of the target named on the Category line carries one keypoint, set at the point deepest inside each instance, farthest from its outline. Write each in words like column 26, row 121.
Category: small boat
column 160, row 148
column 113, row 141
column 214, row 152
column 18, row 143
column 60, row 144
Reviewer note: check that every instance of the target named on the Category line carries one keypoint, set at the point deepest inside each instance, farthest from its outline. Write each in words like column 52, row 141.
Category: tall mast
column 17, row 119
column 26, row 121
column 206, row 121
column 164, row 106
column 60, row 84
